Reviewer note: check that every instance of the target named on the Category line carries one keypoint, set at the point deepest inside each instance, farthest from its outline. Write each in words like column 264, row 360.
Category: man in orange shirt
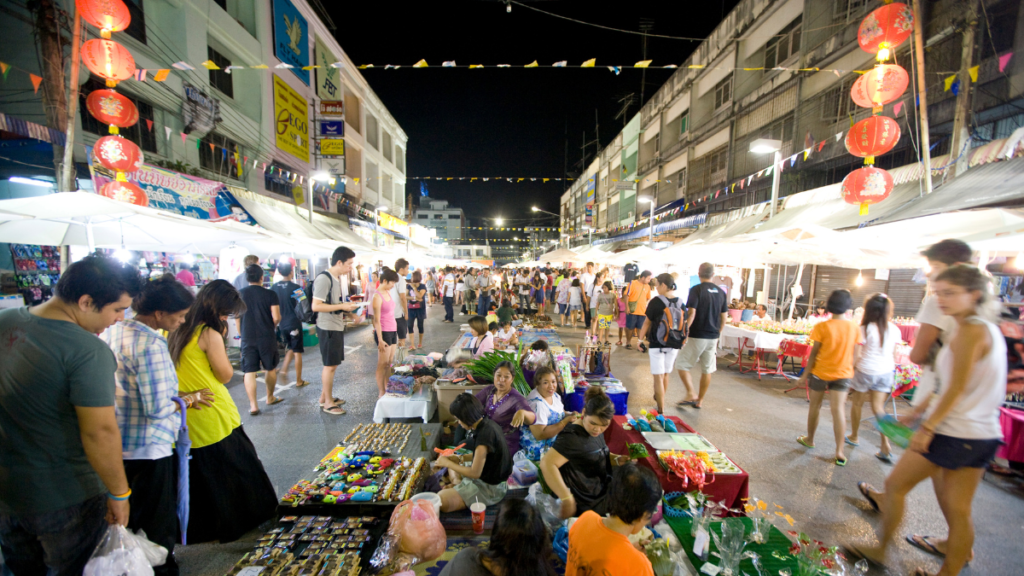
column 599, row 546
column 637, row 296
column 830, row 368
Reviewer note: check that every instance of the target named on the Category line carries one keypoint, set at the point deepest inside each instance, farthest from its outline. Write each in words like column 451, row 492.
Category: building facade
column 783, row 70
column 243, row 101
column 434, row 214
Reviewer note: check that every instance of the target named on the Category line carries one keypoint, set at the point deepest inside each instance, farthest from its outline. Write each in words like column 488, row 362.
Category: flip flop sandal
column 922, row 543
column 865, row 491
column 850, row 442
column 302, row 383
column 685, row 403
column 254, row 412
column 802, row 440
column 334, row 410
column 840, row 462
column 337, row 402
column 276, row 400
column 887, row 458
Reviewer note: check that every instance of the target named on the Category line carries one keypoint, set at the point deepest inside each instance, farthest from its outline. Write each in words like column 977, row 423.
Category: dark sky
column 510, row 122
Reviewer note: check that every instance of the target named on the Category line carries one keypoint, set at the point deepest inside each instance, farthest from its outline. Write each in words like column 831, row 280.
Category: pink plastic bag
column 414, row 535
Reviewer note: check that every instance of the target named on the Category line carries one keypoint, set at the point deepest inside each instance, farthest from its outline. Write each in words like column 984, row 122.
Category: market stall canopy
column 562, row 255
column 86, row 219
column 638, row 254
column 988, row 229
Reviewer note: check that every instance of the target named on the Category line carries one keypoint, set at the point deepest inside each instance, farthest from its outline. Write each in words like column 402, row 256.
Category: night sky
column 511, row 122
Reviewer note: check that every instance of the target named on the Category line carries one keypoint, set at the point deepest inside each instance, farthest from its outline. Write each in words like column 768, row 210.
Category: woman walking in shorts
column 874, row 366
column 959, row 431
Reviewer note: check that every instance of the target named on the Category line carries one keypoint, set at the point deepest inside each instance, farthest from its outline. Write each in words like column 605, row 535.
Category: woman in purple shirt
column 508, row 408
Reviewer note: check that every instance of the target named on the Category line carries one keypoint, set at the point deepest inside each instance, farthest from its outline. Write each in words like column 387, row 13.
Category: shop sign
column 182, row 194
column 621, row 186
column 291, row 38
column 332, row 147
column 333, row 166
column 394, row 224
column 292, row 120
column 199, row 112
column 588, row 191
column 298, row 195
column 328, row 78
column 332, row 128
column 332, row 107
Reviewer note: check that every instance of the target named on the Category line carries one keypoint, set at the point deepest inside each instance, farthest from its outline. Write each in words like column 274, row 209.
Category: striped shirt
column 146, row 381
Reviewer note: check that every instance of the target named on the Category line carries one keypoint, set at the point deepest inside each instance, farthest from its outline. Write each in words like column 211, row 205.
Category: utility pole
column 922, row 92
column 963, row 101
column 67, row 177
column 51, row 47
column 645, row 26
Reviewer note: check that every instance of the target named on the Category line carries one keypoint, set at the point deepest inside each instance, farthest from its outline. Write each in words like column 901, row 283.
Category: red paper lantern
column 107, row 15
column 866, row 186
column 112, row 108
column 872, row 137
column 880, row 86
column 885, row 28
column 108, row 59
column 116, row 153
column 125, row 192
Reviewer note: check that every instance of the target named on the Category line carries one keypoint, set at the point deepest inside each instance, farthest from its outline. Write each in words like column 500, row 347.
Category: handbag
column 631, row 306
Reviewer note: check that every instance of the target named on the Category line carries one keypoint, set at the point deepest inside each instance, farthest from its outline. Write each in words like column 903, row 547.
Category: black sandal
column 865, row 491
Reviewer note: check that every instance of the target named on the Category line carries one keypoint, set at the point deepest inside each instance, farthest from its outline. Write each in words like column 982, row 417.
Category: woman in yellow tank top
column 230, row 492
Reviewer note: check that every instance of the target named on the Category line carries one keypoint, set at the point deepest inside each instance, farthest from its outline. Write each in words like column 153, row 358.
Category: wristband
column 120, row 498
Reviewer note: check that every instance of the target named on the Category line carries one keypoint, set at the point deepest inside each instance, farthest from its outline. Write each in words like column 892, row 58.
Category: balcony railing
column 650, row 164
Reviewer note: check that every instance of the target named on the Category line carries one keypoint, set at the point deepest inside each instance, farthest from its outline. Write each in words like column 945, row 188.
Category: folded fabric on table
column 401, row 385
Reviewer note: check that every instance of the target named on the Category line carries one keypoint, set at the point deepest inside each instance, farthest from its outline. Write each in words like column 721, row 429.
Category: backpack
column 304, row 306
column 672, row 327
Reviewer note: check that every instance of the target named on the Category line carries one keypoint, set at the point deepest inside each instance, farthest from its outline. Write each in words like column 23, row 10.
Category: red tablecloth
column 909, row 332
column 1013, row 435
column 728, row 488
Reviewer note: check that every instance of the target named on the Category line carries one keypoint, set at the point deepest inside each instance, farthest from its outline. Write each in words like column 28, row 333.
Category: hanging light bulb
column 123, row 255
column 508, row 7
column 860, row 280
column 883, row 52
column 1018, row 262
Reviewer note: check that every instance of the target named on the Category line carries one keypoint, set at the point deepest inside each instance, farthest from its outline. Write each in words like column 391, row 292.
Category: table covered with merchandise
column 908, row 331
column 409, row 390
column 728, row 488
column 1012, row 422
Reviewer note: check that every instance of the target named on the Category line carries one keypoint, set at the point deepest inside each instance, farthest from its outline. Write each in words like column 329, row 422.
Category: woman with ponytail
column 874, row 363
column 578, row 467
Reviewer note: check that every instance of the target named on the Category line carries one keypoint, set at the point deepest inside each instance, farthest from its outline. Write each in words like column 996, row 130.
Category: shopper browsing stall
column 385, row 327
column 400, row 294
column 417, row 299
column 519, row 544
column 551, row 416
column 147, row 414
column 663, row 328
column 706, row 316
column 230, row 491
column 830, row 368
column 874, row 366
column 330, row 292
column 484, row 480
column 60, row 448
column 601, row 545
column 578, row 466
column 259, row 344
column 508, row 408
column 290, row 327
column 577, row 301
column 448, row 295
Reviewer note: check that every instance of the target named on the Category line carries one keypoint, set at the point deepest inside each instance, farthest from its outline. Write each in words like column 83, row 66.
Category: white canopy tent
column 562, row 255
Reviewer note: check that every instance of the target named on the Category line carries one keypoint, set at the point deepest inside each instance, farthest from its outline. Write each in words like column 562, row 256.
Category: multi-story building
column 783, row 70
column 447, row 221
column 243, row 102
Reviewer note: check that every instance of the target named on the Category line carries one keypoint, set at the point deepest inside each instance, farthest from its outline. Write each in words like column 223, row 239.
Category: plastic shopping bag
column 549, row 507
column 119, row 553
column 414, row 535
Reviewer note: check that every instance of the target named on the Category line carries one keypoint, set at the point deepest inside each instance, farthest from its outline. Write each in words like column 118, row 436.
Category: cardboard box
column 446, row 393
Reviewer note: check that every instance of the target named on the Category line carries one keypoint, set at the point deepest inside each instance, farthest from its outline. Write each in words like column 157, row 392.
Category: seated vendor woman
column 578, row 467
column 484, row 479
column 551, row 415
column 508, row 408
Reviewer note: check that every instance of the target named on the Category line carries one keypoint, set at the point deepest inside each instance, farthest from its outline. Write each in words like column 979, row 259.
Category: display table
column 1012, row 422
column 777, row 543
column 763, row 343
column 909, row 332
column 422, row 404
column 731, row 489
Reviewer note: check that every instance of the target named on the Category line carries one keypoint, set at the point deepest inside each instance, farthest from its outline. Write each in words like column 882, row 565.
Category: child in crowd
column 874, row 366
column 830, row 368
column 492, row 313
column 491, row 463
column 507, row 335
column 492, row 327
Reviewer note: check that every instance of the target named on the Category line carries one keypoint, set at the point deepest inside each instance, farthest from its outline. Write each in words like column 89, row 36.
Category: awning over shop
column 280, row 217
column 381, row 229
column 642, row 231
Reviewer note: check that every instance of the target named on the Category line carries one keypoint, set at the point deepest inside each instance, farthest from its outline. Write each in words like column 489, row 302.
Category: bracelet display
column 120, row 498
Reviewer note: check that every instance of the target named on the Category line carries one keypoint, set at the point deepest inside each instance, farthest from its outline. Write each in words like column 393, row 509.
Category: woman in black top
column 484, row 479
column 578, row 468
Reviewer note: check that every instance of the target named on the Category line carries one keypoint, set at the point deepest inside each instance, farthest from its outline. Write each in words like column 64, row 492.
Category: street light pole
column 650, row 200
column 764, row 146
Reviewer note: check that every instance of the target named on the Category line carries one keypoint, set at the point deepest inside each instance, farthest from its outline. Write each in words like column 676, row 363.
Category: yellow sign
column 298, row 195
column 394, row 224
column 291, row 115
column 332, row 147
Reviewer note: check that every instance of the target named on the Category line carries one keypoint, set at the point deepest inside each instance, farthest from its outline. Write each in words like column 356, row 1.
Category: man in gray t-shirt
column 330, row 290
column 400, row 295
column 60, row 448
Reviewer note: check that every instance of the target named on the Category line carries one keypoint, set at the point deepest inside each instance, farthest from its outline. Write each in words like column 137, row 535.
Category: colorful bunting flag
column 896, row 109
column 167, row 133
column 448, row 64
column 1004, row 60
column 36, row 80
column 420, row 64
column 149, row 124
column 589, row 63
column 643, row 64
column 561, row 64
column 973, row 72
column 948, row 83
column 209, row 65
column 4, row 68
column 161, row 75
column 182, row 66
column 532, row 65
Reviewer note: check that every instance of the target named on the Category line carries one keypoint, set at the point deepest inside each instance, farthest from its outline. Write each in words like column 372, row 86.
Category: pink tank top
column 387, row 315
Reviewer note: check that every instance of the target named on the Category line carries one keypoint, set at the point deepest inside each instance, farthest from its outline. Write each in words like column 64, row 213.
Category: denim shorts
column 635, row 321
column 955, row 453
column 872, row 382
column 819, row 385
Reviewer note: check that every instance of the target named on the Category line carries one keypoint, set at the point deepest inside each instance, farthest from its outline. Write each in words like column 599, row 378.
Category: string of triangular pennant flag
column 513, row 179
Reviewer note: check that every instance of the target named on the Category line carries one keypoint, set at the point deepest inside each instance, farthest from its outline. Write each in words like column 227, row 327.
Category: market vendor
column 760, row 314
column 551, row 415
column 507, row 407
column 484, row 479
column 578, row 467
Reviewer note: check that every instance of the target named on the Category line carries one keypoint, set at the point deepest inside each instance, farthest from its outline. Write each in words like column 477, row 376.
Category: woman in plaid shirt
column 146, row 413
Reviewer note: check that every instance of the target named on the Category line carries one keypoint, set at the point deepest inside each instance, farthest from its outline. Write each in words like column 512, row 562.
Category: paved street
column 752, row 421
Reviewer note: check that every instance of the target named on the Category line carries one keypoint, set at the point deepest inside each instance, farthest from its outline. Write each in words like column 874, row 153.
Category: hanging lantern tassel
column 864, row 208
column 121, row 177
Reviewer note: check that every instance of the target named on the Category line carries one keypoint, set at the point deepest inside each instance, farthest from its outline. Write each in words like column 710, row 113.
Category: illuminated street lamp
column 650, row 215
column 766, row 146
column 319, row 176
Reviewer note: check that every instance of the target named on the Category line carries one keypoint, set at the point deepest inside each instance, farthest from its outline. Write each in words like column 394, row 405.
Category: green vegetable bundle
column 482, row 368
column 637, row 451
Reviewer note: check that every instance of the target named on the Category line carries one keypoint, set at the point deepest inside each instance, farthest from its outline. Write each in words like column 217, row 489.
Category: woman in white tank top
column 959, row 433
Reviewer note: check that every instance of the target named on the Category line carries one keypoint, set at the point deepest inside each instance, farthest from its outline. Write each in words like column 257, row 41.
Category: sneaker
column 462, row 313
